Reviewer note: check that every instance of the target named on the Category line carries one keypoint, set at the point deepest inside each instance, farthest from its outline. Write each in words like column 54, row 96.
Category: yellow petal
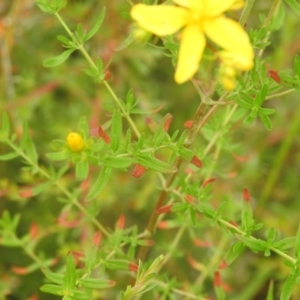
column 184, row 3
column 197, row 5
column 160, row 19
column 190, row 53
column 217, row 7
column 229, row 35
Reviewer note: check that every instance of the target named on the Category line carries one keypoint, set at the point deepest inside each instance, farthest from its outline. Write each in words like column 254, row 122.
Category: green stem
column 81, row 48
column 280, row 94
column 58, row 184
column 246, row 11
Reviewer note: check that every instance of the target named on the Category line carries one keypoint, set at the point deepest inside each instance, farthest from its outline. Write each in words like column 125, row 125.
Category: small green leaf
column 9, row 156
column 82, row 170
column 254, row 244
column 69, row 279
column 249, row 119
column 28, row 145
column 234, row 252
column 270, row 295
column 57, row 60
column 95, row 283
column 266, row 111
column 54, row 277
column 285, row 244
column 294, row 5
column 128, row 41
column 100, row 183
column 247, row 215
column 96, row 27
column 80, row 33
column 289, row 285
column 155, row 164
column 62, row 155
column 116, row 130
column 65, row 41
column 116, row 162
column 45, row 6
column 52, row 289
column 266, row 121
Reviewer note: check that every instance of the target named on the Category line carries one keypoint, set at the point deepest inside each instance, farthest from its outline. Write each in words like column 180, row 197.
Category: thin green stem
column 280, row 94
column 246, row 11
column 59, row 185
column 81, row 48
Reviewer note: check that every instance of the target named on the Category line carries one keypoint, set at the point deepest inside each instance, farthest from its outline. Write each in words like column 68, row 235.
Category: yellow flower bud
column 75, row 142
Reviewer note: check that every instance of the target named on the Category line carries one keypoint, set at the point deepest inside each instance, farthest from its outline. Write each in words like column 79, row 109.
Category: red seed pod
column 121, row 222
column 34, row 230
column 164, row 209
column 217, row 279
column 20, row 270
column 246, row 195
column 196, row 161
column 189, row 198
column 188, row 124
column 274, row 75
column 97, row 238
column 133, row 267
column 222, row 265
column 107, row 75
column 202, row 244
column 208, row 181
column 168, row 123
column 138, row 171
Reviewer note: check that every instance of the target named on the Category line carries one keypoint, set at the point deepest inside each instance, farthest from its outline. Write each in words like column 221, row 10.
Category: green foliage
column 149, row 207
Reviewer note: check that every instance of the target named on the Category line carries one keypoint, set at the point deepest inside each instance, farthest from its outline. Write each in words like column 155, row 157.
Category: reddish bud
column 107, row 75
column 189, row 198
column 26, row 193
column 151, row 124
column 188, row 171
column 194, row 263
column 34, row 230
column 168, row 123
column 274, row 75
column 162, row 225
column 33, row 297
column 246, row 195
column 133, row 267
column 164, row 209
column 196, row 162
column 208, row 181
column 188, row 124
column 85, row 184
column 138, row 171
column 97, row 238
column 217, row 279
column 240, row 158
column 121, row 222
column 62, row 220
column 202, row 244
column 103, row 135
column 222, row 265
column 20, row 270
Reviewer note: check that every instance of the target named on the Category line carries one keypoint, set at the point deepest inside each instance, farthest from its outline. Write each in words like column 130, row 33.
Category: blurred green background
column 53, row 100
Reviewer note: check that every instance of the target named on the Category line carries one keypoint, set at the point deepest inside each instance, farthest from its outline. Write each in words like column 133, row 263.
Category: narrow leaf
column 294, row 5
column 5, row 124
column 9, row 156
column 58, row 60
column 297, row 243
column 100, row 183
column 96, row 27
column 289, row 285
column 116, row 130
column 155, row 164
column 266, row 121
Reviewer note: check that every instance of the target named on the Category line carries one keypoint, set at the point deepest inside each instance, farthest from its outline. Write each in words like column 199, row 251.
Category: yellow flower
column 199, row 19
column 75, row 142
